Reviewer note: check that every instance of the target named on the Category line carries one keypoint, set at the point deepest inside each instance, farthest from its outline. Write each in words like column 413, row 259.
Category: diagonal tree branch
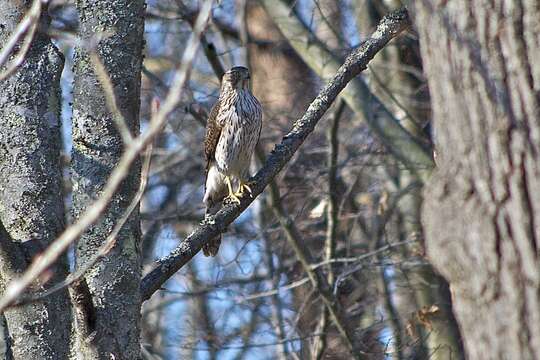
column 389, row 27
column 402, row 144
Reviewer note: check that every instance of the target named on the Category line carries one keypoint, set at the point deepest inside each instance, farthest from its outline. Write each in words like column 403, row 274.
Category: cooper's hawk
column 232, row 131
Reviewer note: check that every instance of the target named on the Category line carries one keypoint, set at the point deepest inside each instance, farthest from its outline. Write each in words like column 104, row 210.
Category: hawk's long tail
column 215, row 191
column 212, row 246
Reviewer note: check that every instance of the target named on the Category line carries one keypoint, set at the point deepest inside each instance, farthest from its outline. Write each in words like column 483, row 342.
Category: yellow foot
column 244, row 186
column 233, row 197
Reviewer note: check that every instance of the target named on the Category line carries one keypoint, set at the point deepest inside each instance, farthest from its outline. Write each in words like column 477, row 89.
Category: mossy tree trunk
column 97, row 146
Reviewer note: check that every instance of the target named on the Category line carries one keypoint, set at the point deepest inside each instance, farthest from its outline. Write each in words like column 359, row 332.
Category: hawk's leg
column 232, row 196
column 244, row 186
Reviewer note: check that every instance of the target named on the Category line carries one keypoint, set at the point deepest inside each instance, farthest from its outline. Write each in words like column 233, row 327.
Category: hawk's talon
column 233, row 198
column 245, row 186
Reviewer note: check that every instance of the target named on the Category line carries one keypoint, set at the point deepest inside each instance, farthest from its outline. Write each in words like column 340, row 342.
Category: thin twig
column 318, row 281
column 381, row 223
column 290, row 286
column 414, row 122
column 363, row 256
column 276, row 304
column 29, row 22
column 236, row 347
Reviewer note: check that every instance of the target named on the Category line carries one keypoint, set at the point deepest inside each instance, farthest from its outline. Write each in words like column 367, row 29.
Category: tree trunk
column 97, row 146
column 31, row 202
column 481, row 210
column 438, row 328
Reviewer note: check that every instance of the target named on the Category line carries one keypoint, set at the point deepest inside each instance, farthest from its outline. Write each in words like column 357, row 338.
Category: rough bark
column 31, row 203
column 438, row 328
column 4, row 340
column 97, row 147
column 481, row 212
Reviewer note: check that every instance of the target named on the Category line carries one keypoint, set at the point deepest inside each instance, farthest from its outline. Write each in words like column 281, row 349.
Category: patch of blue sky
column 155, row 194
column 166, row 241
column 66, row 84
column 387, row 341
column 155, row 37
column 226, row 10
column 349, row 24
column 389, row 274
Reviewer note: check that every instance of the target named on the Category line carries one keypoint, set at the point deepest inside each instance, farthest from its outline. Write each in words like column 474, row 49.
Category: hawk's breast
column 242, row 120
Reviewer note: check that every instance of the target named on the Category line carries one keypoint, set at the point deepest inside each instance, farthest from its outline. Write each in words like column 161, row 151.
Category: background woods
column 359, row 242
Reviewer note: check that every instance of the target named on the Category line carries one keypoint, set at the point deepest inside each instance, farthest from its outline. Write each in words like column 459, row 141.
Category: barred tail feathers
column 215, row 191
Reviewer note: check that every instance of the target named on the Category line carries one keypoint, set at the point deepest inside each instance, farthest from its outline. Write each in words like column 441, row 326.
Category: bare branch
column 213, row 59
column 208, row 48
column 390, row 26
column 290, row 286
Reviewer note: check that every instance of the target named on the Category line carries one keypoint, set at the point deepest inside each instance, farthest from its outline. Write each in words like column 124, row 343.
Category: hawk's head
column 236, row 78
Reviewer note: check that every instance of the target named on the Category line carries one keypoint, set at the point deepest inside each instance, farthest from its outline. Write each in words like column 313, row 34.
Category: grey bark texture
column 481, row 210
column 31, row 201
column 97, row 146
column 4, row 340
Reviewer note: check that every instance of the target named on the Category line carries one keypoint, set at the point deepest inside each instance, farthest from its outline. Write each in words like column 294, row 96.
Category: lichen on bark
column 97, row 147
column 31, row 201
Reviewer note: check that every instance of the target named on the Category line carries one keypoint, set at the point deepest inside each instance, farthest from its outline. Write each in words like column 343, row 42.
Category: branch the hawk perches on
column 232, row 132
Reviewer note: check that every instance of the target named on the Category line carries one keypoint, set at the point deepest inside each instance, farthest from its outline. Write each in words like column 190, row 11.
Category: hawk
column 232, row 132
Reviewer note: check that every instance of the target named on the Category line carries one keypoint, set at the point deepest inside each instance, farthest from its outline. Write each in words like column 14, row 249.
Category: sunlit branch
column 390, row 26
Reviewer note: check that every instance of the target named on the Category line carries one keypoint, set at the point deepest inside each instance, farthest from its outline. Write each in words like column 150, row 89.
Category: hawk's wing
column 213, row 132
